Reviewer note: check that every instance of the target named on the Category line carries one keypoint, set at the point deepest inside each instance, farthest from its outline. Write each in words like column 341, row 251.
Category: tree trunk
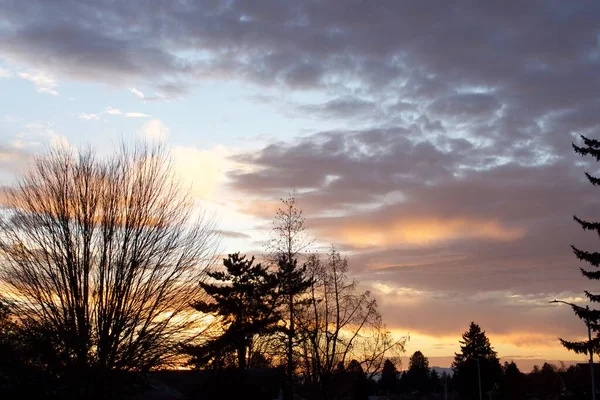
column 241, row 355
column 289, row 392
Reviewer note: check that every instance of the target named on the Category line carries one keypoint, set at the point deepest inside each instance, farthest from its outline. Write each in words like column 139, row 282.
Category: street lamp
column 479, row 375
column 590, row 350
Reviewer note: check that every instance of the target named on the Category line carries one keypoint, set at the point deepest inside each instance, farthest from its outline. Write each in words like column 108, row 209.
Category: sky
column 429, row 141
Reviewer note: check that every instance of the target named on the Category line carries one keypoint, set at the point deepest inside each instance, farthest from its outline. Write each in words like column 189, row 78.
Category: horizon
column 430, row 143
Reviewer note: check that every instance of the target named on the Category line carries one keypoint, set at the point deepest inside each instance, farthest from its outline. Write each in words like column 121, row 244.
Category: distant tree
column 546, row 382
column 577, row 380
column 360, row 384
column 289, row 238
column 446, row 382
column 340, row 322
column 591, row 317
column 19, row 377
column 434, row 381
column 100, row 258
column 513, row 384
column 389, row 376
column 243, row 297
column 416, row 378
column 475, row 346
column 418, row 362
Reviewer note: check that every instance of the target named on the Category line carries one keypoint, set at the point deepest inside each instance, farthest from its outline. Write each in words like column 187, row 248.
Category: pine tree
column 292, row 283
column 586, row 314
column 389, row 376
column 434, row 381
column 475, row 348
column 244, row 297
column 512, row 386
column 417, row 376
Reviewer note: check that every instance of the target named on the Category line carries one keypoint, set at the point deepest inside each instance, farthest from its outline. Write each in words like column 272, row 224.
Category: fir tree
column 475, row 348
column 434, row 381
column 417, row 376
column 244, row 296
column 512, row 386
column 292, row 283
column 389, row 376
column 586, row 314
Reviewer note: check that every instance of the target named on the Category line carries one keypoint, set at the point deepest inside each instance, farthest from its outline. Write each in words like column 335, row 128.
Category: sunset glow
column 430, row 144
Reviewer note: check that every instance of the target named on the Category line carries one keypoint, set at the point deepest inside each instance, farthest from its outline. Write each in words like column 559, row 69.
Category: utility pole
column 479, row 376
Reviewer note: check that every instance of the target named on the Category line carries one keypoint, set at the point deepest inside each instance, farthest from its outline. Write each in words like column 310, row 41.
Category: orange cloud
column 420, row 231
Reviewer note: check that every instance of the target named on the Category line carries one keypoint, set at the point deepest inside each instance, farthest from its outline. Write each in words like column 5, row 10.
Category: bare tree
column 104, row 255
column 289, row 235
column 289, row 238
column 341, row 323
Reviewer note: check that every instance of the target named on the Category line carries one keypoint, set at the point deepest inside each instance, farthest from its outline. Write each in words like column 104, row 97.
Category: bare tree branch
column 106, row 255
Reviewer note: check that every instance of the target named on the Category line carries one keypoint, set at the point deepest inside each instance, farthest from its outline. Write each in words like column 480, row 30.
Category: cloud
column 390, row 231
column 89, row 117
column 204, row 171
column 155, row 131
column 5, row 73
column 43, row 82
column 136, row 115
column 473, row 230
column 113, row 111
column 12, row 160
column 444, row 164
column 173, row 90
column 137, row 93
column 232, row 234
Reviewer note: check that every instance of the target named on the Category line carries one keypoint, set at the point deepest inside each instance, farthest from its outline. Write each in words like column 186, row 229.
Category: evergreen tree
column 434, row 381
column 475, row 348
column 389, row 376
column 358, row 378
column 292, row 283
column 513, row 382
column 244, row 296
column 418, row 362
column 416, row 378
column 588, row 315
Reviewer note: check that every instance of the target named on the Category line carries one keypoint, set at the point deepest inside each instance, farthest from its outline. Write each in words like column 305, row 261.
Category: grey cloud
column 480, row 105
column 536, row 63
column 232, row 234
column 344, row 107
column 467, row 111
column 405, row 181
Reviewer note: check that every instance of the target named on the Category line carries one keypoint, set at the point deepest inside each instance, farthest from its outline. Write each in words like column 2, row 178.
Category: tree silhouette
column 340, row 322
column 416, row 378
column 244, row 299
column 475, row 346
column 513, row 385
column 589, row 316
column 289, row 238
column 434, row 381
column 101, row 257
column 358, row 379
column 389, row 376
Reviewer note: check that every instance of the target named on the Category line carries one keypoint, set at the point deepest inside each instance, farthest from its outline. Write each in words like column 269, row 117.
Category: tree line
column 107, row 273
column 477, row 362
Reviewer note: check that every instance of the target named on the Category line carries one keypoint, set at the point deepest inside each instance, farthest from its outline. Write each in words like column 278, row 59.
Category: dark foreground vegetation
column 113, row 289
